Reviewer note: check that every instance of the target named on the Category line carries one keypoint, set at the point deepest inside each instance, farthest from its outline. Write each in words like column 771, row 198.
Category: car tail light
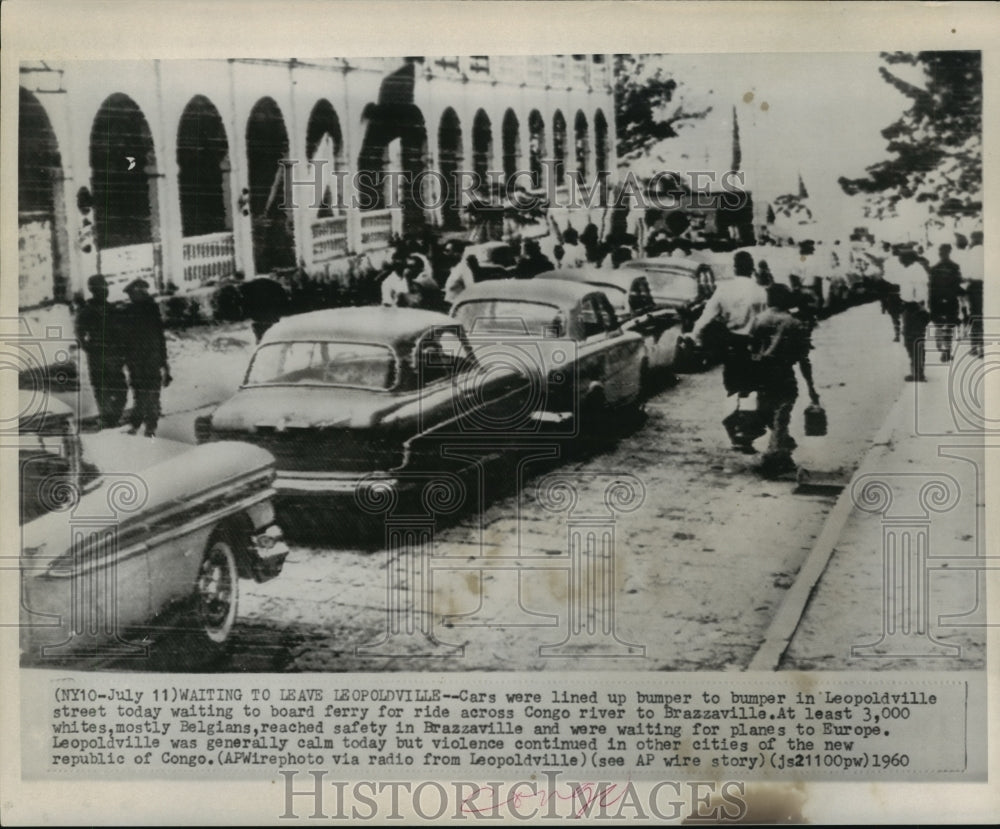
column 203, row 428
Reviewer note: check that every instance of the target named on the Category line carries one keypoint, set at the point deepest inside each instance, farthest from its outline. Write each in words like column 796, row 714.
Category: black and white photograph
column 612, row 424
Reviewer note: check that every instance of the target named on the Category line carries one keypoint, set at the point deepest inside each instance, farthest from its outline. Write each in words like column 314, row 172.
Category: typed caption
column 796, row 726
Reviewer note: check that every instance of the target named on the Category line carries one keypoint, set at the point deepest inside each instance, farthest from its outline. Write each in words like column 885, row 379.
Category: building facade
column 178, row 171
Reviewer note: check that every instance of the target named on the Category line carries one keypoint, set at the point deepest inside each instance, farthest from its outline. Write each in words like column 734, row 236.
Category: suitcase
column 815, row 424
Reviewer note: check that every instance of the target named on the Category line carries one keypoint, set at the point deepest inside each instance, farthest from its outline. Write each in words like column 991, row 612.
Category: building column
column 906, row 547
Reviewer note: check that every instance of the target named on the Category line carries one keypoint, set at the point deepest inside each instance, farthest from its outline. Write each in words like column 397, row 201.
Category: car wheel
column 593, row 414
column 216, row 593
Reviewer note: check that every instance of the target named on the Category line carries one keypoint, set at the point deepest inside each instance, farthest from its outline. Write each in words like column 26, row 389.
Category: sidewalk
column 219, row 352
column 922, row 479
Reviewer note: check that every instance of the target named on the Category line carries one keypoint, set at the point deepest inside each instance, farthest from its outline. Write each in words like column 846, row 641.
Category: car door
column 622, row 352
column 661, row 327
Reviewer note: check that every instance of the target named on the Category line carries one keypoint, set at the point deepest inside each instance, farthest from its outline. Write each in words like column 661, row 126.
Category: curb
column 786, row 621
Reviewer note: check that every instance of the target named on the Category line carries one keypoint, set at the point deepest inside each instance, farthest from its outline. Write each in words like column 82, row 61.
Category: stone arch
column 325, row 145
column 482, row 147
column 581, row 141
column 511, row 132
column 204, row 169
column 123, row 175
column 42, row 239
column 536, row 148
column 450, row 158
column 272, row 227
column 559, row 147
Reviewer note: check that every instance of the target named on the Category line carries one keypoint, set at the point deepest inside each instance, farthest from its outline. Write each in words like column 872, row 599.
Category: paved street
column 701, row 567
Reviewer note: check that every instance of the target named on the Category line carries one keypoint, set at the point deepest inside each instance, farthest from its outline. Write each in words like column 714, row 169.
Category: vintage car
column 565, row 333
column 678, row 283
column 497, row 260
column 125, row 538
column 633, row 303
column 351, row 397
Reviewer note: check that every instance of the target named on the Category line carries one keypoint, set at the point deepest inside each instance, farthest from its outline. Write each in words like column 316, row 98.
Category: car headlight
column 270, row 537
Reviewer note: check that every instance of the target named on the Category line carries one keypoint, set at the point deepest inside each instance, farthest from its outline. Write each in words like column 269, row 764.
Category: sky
column 812, row 113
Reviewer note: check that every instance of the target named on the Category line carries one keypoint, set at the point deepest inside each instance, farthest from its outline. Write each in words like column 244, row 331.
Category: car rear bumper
column 332, row 483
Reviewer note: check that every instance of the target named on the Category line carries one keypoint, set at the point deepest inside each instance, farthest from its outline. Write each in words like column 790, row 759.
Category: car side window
column 438, row 354
column 605, row 313
column 590, row 321
column 640, row 300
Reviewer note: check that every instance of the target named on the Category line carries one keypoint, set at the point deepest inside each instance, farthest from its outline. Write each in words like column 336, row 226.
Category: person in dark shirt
column 265, row 301
column 945, row 291
column 778, row 343
column 532, row 261
column 98, row 328
column 145, row 349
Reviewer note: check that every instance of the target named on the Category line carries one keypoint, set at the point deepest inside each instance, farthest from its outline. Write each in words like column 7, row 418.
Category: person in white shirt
column 396, row 287
column 735, row 301
column 461, row 276
column 730, row 312
column 575, row 255
column 908, row 272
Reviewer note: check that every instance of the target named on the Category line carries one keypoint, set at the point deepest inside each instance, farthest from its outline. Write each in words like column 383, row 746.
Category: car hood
column 138, row 500
column 111, row 451
column 281, row 407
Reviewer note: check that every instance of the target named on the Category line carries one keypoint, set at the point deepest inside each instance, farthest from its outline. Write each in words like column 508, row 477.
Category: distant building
column 172, row 170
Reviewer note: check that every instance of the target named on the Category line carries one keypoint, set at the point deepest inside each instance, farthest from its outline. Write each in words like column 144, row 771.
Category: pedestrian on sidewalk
column 725, row 320
column 98, row 328
column 145, row 349
column 395, row 287
column 910, row 273
column 778, row 343
column 969, row 258
column 945, row 291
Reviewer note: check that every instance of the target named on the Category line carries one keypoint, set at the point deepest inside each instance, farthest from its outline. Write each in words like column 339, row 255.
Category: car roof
column 663, row 263
column 622, row 280
column 557, row 292
column 373, row 323
column 488, row 246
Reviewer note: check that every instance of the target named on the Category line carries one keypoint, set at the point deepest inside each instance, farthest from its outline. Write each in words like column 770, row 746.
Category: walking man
column 910, row 274
column 969, row 258
column 778, row 343
column 145, row 356
column 98, row 328
column 727, row 316
column 945, row 291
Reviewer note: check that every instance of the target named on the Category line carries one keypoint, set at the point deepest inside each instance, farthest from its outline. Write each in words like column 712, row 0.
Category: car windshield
column 511, row 317
column 674, row 283
column 359, row 365
column 617, row 296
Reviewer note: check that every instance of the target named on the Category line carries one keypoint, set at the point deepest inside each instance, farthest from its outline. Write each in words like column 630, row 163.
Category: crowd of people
column 760, row 321
column 764, row 329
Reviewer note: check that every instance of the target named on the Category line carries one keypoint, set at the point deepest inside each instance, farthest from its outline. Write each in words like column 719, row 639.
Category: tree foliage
column 935, row 147
column 649, row 105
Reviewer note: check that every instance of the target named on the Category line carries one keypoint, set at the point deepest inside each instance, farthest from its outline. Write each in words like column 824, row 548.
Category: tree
column 936, row 145
column 649, row 106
